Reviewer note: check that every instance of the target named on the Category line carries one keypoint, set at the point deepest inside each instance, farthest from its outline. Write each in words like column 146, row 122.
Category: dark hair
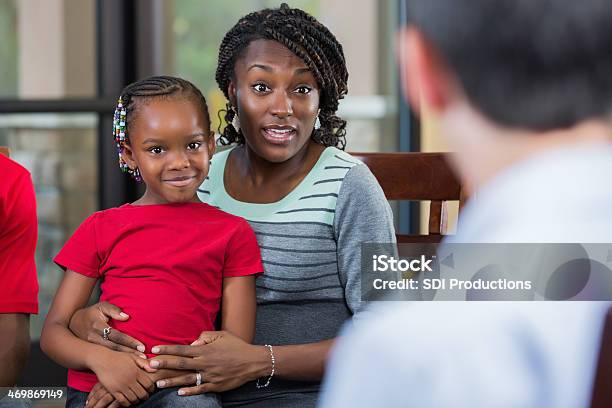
column 311, row 41
column 533, row 64
column 140, row 92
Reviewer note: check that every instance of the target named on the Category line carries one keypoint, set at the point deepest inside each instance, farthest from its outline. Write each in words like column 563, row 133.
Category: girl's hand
column 224, row 361
column 99, row 397
column 124, row 376
column 88, row 324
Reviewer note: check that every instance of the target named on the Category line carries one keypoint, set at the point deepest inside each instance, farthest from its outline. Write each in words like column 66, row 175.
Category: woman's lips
column 180, row 181
column 279, row 136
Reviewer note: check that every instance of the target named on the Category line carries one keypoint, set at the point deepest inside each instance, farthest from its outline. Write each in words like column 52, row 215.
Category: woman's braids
column 137, row 93
column 311, row 41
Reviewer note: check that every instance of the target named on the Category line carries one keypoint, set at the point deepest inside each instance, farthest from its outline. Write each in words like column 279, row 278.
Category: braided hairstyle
column 311, row 41
column 140, row 92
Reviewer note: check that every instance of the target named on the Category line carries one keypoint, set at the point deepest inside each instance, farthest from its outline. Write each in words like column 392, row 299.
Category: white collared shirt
column 484, row 354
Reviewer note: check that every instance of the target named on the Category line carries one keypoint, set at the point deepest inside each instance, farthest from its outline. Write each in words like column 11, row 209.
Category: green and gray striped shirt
column 310, row 247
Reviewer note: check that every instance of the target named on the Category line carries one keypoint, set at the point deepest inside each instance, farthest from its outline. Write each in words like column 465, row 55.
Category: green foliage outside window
column 8, row 48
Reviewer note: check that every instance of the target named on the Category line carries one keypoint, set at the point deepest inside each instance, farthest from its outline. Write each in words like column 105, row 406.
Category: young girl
column 169, row 261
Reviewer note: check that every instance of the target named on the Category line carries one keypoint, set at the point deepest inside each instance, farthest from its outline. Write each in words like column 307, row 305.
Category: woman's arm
column 302, row 362
column 226, row 362
column 238, row 307
column 120, row 373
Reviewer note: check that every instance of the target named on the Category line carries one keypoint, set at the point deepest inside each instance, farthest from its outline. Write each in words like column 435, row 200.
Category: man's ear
column 127, row 154
column 231, row 92
column 425, row 77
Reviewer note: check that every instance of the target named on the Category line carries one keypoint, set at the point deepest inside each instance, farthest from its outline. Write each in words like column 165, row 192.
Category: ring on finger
column 106, row 332
column 198, row 378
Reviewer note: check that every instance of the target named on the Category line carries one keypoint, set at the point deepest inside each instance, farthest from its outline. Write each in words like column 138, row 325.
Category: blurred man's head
column 498, row 73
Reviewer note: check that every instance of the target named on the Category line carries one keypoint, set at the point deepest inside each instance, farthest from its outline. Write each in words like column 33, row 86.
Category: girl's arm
column 56, row 340
column 238, row 307
column 120, row 373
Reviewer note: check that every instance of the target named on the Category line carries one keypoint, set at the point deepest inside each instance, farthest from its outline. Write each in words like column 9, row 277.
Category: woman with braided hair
column 310, row 204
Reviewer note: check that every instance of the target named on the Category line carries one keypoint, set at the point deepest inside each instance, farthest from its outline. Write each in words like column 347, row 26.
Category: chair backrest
column 417, row 177
column 5, row 151
column 602, row 387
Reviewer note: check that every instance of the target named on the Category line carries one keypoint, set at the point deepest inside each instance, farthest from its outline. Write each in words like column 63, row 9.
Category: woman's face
column 277, row 98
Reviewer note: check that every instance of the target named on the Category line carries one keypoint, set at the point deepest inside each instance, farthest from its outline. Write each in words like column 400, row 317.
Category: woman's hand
column 224, row 361
column 88, row 324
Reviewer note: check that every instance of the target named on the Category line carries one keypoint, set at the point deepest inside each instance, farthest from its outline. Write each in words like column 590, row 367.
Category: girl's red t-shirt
column 163, row 265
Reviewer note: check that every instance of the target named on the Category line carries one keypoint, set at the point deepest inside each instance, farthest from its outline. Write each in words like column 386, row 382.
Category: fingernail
column 155, row 350
column 181, row 392
column 161, row 383
column 123, row 314
column 142, row 356
column 141, row 348
column 154, row 363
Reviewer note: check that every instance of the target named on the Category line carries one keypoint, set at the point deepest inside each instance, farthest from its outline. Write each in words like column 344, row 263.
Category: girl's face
column 277, row 98
column 171, row 144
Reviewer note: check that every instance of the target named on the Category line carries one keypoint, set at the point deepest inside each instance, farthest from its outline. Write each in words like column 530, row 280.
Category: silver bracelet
column 273, row 367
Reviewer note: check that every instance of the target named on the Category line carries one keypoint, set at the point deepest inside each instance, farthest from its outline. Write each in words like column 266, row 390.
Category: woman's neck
column 258, row 171
column 253, row 179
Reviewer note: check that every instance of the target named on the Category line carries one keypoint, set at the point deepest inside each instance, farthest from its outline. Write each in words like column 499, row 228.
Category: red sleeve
column 80, row 253
column 242, row 255
column 18, row 236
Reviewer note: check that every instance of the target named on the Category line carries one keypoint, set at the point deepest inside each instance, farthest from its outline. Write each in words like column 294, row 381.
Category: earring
column 136, row 174
column 236, row 122
column 317, row 124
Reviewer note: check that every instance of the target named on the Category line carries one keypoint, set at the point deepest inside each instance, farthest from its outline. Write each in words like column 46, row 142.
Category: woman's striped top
column 310, row 247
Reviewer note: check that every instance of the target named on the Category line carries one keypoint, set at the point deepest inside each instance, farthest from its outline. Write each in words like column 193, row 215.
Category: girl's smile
column 182, row 181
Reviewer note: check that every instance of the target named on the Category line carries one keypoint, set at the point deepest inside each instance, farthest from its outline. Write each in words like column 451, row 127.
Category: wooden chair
column 602, row 387
column 5, row 151
column 417, row 177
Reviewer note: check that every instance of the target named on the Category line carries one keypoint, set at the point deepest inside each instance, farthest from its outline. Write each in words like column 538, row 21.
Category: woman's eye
column 303, row 89
column 260, row 88
column 194, row 145
column 156, row 150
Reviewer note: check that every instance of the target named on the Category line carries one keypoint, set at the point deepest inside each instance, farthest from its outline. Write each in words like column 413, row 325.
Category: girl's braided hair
column 139, row 92
column 311, row 41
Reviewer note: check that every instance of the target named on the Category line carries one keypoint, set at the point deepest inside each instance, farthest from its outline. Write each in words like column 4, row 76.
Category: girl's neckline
column 161, row 205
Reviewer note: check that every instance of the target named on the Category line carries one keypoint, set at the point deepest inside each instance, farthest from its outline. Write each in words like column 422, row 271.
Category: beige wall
column 357, row 31
column 356, row 24
column 56, row 48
